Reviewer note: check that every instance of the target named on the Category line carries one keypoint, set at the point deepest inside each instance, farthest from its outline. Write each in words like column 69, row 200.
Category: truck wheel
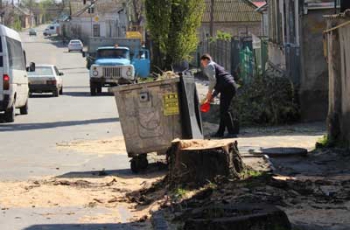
column 24, row 110
column 10, row 114
column 93, row 89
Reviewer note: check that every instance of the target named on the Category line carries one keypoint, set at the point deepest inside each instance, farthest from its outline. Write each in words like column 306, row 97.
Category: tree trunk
column 201, row 161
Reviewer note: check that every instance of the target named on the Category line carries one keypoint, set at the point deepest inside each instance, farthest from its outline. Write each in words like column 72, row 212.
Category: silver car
column 45, row 79
column 75, row 45
column 32, row 32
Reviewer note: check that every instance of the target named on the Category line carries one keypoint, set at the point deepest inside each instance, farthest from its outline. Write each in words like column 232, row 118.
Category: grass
column 251, row 178
column 327, row 142
column 180, row 192
column 249, row 173
column 323, row 142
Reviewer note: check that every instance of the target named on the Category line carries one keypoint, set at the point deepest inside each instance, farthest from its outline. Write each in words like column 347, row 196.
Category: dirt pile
column 90, row 192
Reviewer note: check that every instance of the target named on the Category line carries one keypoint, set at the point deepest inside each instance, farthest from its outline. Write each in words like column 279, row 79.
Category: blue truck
column 115, row 61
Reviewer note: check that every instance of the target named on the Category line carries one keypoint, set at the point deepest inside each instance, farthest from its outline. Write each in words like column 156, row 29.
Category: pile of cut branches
column 267, row 100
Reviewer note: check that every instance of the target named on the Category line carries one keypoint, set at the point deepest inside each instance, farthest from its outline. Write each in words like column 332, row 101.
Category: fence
column 236, row 55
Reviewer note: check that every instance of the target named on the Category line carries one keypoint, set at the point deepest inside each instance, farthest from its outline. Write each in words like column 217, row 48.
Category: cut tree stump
column 201, row 161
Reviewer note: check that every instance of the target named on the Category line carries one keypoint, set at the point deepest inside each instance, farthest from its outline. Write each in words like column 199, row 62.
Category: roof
column 100, row 7
column 112, row 48
column 232, row 11
column 259, row 4
column 23, row 10
column 44, row 65
column 5, row 31
column 262, row 8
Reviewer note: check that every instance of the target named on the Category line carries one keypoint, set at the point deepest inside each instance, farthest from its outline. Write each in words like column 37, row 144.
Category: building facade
column 102, row 19
column 235, row 17
column 296, row 50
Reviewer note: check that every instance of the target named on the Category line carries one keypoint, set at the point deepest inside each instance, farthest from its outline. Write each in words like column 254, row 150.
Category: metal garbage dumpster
column 150, row 118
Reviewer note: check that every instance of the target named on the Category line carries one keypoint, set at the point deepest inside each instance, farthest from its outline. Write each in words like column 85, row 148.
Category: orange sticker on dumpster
column 171, row 104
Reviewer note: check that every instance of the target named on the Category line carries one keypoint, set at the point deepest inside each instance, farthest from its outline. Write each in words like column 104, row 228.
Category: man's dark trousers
column 226, row 119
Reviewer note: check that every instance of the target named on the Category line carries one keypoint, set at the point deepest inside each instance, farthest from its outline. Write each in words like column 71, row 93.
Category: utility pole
column 335, row 6
column 91, row 11
column 344, row 5
column 211, row 31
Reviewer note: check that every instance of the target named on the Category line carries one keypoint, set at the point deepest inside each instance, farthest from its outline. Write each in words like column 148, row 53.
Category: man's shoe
column 231, row 135
column 217, row 135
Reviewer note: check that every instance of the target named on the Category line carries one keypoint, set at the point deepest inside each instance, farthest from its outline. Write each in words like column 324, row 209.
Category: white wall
column 111, row 25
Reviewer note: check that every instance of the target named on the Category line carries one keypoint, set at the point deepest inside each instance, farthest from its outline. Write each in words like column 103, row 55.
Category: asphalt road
column 28, row 146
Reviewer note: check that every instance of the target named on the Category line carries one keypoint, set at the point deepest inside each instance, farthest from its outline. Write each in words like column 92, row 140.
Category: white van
column 14, row 88
column 51, row 30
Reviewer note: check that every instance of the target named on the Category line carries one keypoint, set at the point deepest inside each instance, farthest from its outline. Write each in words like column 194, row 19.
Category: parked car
column 75, row 45
column 51, row 30
column 46, row 79
column 13, row 80
column 32, row 32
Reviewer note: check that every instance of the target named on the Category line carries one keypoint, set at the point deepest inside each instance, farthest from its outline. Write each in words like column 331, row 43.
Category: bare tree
column 138, row 6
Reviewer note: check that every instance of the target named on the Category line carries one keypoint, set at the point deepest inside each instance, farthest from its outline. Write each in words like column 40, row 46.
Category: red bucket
column 205, row 107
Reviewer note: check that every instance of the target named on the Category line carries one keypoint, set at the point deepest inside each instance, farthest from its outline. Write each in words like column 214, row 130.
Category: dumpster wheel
column 139, row 163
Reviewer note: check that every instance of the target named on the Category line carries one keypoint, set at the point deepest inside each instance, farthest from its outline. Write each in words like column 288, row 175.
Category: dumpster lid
column 144, row 85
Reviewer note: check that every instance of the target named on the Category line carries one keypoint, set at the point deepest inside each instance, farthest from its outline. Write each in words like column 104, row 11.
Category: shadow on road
column 50, row 125
column 41, row 95
column 128, row 226
column 57, row 41
column 74, row 68
column 86, row 94
column 154, row 170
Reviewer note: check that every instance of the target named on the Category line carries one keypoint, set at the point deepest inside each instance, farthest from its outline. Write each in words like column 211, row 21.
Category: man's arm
column 210, row 71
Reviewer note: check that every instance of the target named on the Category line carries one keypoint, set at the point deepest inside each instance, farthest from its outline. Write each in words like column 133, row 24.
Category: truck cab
column 112, row 65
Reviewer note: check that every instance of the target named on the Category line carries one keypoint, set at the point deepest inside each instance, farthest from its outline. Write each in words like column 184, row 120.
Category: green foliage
column 17, row 25
column 43, row 5
column 266, row 100
column 322, row 142
column 173, row 27
column 252, row 173
column 180, row 192
column 328, row 142
column 221, row 35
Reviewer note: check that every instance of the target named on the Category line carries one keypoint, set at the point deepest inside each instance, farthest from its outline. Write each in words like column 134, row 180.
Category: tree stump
column 201, row 161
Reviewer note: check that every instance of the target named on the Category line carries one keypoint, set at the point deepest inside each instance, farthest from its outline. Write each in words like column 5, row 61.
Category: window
column 1, row 45
column 113, row 53
column 56, row 70
column 42, row 71
column 96, row 30
column 143, row 54
column 15, row 54
column 1, row 57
